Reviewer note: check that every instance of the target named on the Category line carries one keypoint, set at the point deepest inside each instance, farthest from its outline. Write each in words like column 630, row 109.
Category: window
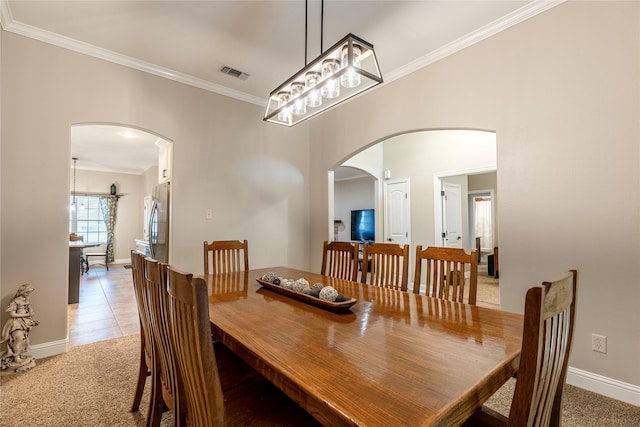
column 87, row 219
column 483, row 221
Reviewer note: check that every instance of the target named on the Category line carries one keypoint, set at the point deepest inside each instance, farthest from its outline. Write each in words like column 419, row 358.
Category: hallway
column 107, row 307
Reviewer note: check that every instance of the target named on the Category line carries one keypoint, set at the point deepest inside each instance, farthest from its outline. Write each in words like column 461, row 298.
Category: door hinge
column 444, row 235
column 406, row 234
column 442, row 193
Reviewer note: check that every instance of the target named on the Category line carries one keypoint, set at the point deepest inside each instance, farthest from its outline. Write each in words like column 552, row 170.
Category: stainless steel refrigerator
column 159, row 222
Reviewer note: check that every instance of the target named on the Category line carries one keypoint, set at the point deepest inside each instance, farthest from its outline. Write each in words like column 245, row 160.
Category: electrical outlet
column 208, row 214
column 599, row 343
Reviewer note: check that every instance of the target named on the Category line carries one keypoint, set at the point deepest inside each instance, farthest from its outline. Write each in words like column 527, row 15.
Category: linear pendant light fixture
column 346, row 69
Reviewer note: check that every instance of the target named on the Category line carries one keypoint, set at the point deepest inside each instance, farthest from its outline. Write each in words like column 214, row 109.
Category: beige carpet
column 93, row 385
column 488, row 288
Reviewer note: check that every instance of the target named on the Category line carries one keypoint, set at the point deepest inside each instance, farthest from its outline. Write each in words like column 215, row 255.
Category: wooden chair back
column 386, row 265
column 340, row 259
column 193, row 349
column 226, row 256
column 548, row 333
column 549, row 315
column 496, row 263
column 166, row 383
column 445, row 273
column 146, row 356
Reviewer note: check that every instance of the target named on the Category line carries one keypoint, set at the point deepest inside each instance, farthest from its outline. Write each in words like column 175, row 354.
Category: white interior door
column 396, row 212
column 452, row 215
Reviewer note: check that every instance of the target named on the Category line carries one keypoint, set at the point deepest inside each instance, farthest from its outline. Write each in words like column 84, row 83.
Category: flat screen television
column 363, row 225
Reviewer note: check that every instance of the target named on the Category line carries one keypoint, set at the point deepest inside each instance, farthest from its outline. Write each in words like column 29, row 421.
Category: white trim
column 609, row 387
column 501, row 24
column 48, row 349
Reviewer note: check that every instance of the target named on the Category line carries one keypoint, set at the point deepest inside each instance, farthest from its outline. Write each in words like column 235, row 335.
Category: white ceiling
column 189, row 41
column 112, row 148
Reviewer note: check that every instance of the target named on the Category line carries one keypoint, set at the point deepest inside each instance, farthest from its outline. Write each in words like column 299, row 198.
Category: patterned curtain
column 109, row 205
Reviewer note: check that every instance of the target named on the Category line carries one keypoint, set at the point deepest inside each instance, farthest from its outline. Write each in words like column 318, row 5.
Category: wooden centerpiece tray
column 309, row 299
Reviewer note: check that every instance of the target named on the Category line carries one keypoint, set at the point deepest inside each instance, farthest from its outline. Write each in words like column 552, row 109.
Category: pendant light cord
column 306, row 14
column 306, row 27
column 321, row 26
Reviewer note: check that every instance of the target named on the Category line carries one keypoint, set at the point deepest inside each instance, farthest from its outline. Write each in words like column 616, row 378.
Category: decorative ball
column 315, row 290
column 270, row 277
column 328, row 293
column 340, row 298
column 286, row 283
column 276, row 281
column 299, row 285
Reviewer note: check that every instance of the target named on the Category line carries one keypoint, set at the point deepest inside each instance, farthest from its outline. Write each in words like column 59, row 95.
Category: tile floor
column 107, row 307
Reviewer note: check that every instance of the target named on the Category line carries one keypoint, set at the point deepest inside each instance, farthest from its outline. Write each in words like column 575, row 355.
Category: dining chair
column 146, row 361
column 166, row 385
column 166, row 390
column 226, row 256
column 496, row 263
column 386, row 265
column 340, row 259
column 104, row 254
column 256, row 402
column 547, row 336
column 445, row 273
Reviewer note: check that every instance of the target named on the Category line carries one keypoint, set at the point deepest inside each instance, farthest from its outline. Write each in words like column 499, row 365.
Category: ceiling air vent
column 234, row 73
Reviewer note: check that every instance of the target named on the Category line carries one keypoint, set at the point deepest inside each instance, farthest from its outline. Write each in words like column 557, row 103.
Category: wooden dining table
column 392, row 359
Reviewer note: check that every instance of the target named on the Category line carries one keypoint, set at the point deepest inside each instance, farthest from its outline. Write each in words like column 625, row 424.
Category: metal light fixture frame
column 371, row 77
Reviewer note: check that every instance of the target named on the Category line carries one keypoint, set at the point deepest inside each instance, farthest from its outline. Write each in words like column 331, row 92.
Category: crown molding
column 8, row 24
column 49, row 37
column 5, row 14
column 507, row 21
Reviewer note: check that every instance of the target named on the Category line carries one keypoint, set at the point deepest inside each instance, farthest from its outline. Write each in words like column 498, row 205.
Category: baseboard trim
column 609, row 387
column 48, row 349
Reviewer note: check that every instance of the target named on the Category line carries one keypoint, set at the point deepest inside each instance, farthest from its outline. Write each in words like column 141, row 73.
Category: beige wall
column 561, row 90
column 253, row 175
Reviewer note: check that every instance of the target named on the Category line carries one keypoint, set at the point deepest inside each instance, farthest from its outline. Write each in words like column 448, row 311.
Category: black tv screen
column 363, row 225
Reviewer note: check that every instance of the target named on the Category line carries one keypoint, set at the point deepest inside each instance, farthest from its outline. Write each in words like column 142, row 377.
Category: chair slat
column 340, row 259
column 446, row 271
column 226, row 256
column 386, row 265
